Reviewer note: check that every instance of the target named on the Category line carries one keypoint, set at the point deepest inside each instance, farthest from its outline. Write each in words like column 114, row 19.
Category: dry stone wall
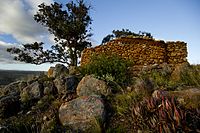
column 142, row 51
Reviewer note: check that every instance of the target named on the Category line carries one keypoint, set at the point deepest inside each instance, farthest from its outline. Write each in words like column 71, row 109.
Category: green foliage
column 121, row 105
column 70, row 27
column 122, row 102
column 191, row 75
column 107, row 67
column 161, row 78
column 124, row 33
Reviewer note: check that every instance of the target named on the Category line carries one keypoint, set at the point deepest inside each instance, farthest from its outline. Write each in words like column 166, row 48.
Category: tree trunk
column 73, row 56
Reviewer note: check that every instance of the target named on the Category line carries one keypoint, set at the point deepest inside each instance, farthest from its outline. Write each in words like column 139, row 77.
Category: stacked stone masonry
column 142, row 51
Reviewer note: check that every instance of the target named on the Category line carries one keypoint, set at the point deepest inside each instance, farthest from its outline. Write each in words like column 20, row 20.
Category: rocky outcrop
column 49, row 88
column 82, row 114
column 58, row 71
column 92, row 86
column 13, row 88
column 33, row 91
column 66, row 84
column 63, row 104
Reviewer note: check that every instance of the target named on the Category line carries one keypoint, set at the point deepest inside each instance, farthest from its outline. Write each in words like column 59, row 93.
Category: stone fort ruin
column 142, row 51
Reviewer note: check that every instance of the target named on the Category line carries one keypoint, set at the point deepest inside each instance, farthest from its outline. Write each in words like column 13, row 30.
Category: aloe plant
column 164, row 115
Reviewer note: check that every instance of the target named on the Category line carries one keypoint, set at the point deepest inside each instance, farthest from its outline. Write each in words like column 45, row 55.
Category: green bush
column 106, row 67
column 191, row 75
column 161, row 78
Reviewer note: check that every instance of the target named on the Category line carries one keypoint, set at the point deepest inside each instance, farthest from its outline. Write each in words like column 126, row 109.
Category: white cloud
column 17, row 20
column 34, row 4
column 6, row 57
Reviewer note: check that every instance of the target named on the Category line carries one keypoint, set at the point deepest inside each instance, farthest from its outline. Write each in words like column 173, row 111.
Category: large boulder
column 66, row 84
column 49, row 88
column 9, row 105
column 57, row 71
column 190, row 97
column 92, row 86
column 33, row 91
column 83, row 114
column 13, row 88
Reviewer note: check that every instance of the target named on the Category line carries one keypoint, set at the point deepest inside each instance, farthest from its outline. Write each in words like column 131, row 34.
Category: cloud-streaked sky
column 168, row 20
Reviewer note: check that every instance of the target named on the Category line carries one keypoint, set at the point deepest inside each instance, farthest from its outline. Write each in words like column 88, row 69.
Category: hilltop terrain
column 110, row 92
column 9, row 76
column 69, row 100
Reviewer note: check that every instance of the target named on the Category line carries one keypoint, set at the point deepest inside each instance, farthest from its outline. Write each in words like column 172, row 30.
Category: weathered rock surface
column 58, row 71
column 13, row 88
column 33, row 91
column 92, row 86
column 81, row 114
column 49, row 88
column 190, row 97
column 66, row 84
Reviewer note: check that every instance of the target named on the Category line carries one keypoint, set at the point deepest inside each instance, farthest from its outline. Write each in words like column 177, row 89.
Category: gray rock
column 14, row 87
column 71, row 83
column 33, row 91
column 49, row 88
column 83, row 114
column 66, row 84
column 92, row 86
column 60, row 85
column 58, row 71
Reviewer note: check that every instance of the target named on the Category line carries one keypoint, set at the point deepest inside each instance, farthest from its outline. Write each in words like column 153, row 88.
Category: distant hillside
column 8, row 76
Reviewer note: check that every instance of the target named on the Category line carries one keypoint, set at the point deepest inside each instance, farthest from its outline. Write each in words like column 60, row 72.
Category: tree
column 124, row 33
column 70, row 26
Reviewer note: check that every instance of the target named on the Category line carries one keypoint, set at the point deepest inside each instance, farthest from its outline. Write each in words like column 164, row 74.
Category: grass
column 190, row 76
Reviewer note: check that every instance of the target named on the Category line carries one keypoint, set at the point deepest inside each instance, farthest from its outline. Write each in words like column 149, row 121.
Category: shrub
column 191, row 75
column 120, row 107
column 161, row 78
column 106, row 67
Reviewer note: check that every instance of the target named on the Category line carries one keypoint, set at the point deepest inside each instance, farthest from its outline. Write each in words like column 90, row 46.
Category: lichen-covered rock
column 190, row 97
column 49, row 88
column 12, row 88
column 33, row 91
column 57, row 71
column 66, row 84
column 82, row 114
column 92, row 86
column 9, row 105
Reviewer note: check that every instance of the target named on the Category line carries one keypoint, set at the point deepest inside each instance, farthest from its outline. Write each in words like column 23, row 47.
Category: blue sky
column 168, row 20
